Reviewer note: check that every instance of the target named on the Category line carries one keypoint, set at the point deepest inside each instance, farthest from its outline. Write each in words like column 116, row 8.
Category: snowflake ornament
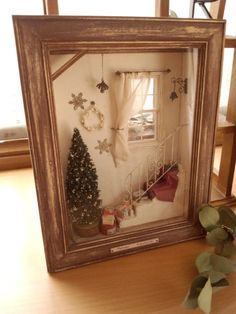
column 103, row 146
column 77, row 101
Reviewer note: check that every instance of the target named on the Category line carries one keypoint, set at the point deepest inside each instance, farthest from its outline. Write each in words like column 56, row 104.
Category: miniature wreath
column 92, row 110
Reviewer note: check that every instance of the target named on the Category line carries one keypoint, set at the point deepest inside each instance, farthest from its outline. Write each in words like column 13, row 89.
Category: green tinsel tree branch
column 81, row 184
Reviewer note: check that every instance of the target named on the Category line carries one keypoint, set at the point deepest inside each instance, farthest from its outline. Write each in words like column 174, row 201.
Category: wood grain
column 50, row 7
column 36, row 37
column 145, row 283
column 14, row 154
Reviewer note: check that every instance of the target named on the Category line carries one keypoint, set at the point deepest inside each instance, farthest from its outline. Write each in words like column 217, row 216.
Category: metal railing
column 148, row 172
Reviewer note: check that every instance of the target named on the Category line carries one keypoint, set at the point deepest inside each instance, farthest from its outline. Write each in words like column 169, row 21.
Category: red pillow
column 165, row 188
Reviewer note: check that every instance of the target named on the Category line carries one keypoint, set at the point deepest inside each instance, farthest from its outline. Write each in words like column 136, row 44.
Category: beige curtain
column 130, row 91
column 188, row 108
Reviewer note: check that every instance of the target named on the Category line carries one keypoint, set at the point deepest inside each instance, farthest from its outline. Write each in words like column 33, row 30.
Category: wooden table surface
column 155, row 281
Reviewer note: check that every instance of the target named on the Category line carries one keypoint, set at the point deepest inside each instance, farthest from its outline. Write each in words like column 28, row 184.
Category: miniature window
column 144, row 125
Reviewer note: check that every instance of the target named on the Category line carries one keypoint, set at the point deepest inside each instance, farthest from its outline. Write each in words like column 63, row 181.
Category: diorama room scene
column 128, row 117
column 118, row 156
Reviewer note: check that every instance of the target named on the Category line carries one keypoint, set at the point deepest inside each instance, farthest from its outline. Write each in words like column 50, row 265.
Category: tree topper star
column 77, row 101
column 103, row 146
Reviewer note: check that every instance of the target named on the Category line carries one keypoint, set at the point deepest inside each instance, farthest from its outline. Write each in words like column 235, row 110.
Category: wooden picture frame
column 39, row 39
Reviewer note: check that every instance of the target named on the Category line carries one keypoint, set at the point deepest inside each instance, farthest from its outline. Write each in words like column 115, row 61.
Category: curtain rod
column 145, row 71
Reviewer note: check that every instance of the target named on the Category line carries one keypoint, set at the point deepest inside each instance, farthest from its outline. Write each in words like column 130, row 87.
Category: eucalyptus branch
column 220, row 226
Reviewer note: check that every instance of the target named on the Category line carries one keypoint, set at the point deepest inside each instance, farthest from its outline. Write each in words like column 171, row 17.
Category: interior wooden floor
column 155, row 281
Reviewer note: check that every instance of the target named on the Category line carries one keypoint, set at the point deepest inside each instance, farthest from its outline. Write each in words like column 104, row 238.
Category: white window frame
column 157, row 104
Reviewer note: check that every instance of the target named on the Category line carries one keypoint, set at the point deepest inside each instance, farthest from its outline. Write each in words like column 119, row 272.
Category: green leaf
column 205, row 297
column 203, row 262
column 216, row 236
column 227, row 218
column 209, row 217
column 222, row 264
column 191, row 299
column 220, row 285
column 226, row 249
column 206, row 262
column 216, row 276
column 203, row 206
column 190, row 303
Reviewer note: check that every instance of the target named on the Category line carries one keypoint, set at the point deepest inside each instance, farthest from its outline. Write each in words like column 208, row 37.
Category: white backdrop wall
column 83, row 76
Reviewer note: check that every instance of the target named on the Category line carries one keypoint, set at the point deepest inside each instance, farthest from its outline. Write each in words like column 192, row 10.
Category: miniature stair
column 164, row 157
column 149, row 211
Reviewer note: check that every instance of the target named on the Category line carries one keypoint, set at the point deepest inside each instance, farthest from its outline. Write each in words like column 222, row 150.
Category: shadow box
column 121, row 117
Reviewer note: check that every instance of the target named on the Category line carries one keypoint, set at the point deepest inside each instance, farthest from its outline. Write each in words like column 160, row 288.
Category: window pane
column 107, row 7
column 144, row 118
column 148, row 132
column 148, row 103
column 148, row 118
column 226, row 78
column 180, row 8
column 135, row 132
column 135, row 121
column 229, row 15
column 142, row 126
column 151, row 87
column 11, row 109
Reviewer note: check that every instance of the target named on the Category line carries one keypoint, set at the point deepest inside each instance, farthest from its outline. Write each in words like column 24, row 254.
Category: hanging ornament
column 77, row 101
column 182, row 85
column 102, row 86
column 103, row 146
column 92, row 119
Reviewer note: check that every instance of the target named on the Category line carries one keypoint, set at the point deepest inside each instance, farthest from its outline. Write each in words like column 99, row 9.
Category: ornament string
column 102, row 86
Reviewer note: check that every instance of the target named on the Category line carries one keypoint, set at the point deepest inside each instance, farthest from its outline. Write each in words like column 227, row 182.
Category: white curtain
column 188, row 108
column 130, row 91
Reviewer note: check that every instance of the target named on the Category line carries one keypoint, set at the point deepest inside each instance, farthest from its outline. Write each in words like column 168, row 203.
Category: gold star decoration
column 103, row 146
column 77, row 101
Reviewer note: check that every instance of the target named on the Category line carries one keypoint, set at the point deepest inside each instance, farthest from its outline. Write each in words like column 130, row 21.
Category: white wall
column 83, row 77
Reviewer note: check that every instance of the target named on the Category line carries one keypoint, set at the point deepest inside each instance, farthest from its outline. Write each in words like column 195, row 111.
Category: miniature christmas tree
column 81, row 184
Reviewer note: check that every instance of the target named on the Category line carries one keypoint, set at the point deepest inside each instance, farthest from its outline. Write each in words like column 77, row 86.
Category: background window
column 11, row 109
column 179, row 8
column 226, row 78
column 107, row 7
column 229, row 15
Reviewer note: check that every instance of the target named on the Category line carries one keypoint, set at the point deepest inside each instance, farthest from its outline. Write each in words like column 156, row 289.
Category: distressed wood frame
column 36, row 38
